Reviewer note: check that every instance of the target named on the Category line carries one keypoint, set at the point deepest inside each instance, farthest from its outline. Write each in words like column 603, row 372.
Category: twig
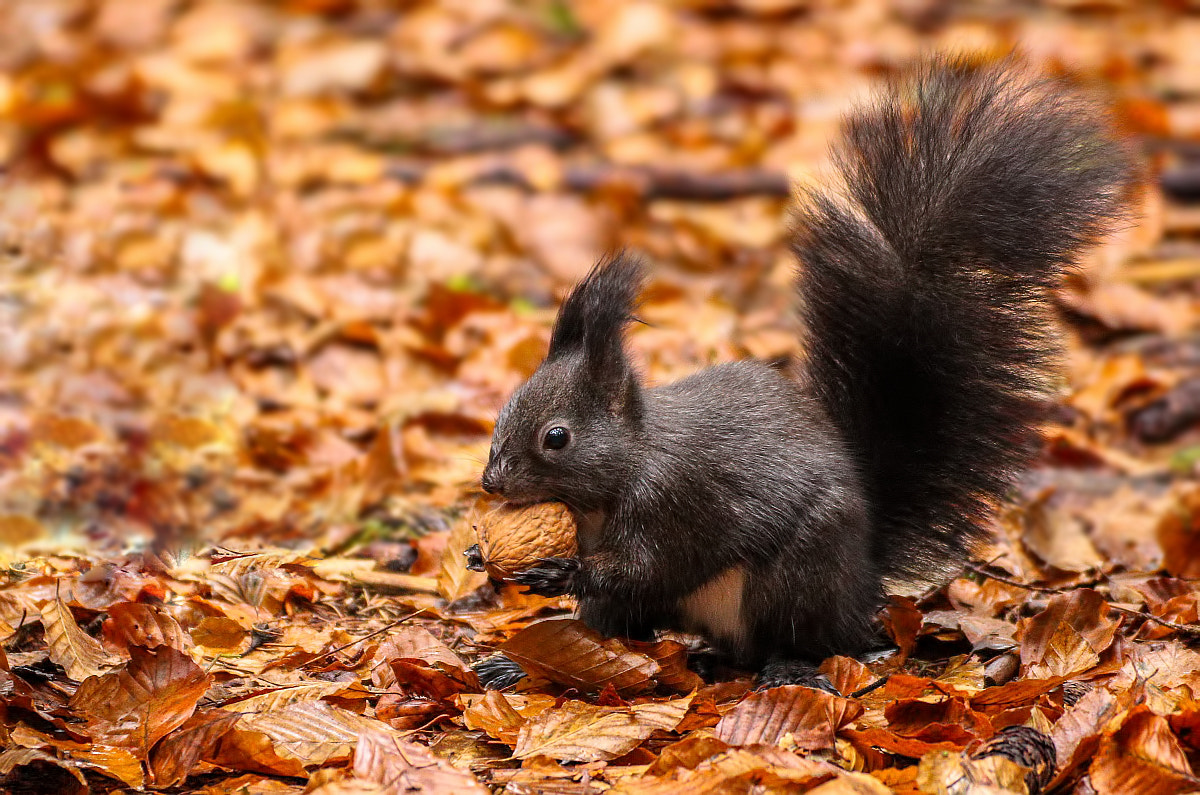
column 390, row 626
column 1184, row 628
column 999, row 578
column 646, row 182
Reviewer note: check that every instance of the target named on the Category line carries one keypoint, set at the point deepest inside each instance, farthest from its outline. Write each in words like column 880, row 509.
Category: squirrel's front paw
column 550, row 577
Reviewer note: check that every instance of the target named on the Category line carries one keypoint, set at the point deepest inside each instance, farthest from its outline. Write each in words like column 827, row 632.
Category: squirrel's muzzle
column 492, row 481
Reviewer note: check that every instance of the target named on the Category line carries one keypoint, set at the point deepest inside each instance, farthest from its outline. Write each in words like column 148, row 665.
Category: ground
column 268, row 271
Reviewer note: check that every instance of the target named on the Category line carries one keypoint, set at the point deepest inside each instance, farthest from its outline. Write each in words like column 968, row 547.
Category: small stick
column 390, row 626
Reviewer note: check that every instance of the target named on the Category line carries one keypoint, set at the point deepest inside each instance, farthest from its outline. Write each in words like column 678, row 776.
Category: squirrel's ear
column 591, row 322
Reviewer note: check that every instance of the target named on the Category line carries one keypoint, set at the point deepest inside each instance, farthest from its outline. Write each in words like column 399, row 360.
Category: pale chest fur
column 715, row 609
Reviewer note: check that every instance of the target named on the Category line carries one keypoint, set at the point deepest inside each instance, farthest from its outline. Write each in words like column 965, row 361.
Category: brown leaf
column 570, row 653
column 1077, row 733
column 454, row 579
column 672, row 659
column 944, row 720
column 1067, row 636
column 580, row 732
column 242, row 749
column 14, row 758
column 893, row 743
column 219, row 633
column 117, row 763
column 136, row 706
column 403, row 767
column 687, row 753
column 312, row 732
column 1066, row 653
column 811, row 716
column 77, row 652
column 764, row 769
column 943, row 772
column 846, row 674
column 417, row 643
column 276, row 698
column 135, row 624
column 1059, row 539
column 902, row 619
column 180, row 751
column 494, row 715
column 1142, row 758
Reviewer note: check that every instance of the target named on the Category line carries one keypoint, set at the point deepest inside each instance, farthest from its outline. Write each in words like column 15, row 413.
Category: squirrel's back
column 968, row 190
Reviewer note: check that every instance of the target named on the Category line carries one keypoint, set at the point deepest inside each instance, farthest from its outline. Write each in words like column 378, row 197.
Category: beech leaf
column 80, row 655
column 312, row 732
column 811, row 716
column 403, row 767
column 137, row 705
column 580, row 732
column 570, row 653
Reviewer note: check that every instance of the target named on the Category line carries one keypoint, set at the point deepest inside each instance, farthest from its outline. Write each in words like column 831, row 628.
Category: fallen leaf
column 811, row 716
column 580, row 732
column 568, row 652
column 137, row 705
column 77, row 652
column 1142, row 758
column 403, row 767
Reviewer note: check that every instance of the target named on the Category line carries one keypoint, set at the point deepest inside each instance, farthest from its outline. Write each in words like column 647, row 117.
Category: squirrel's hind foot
column 778, row 672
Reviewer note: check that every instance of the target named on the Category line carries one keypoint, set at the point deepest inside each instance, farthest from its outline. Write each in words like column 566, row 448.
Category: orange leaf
column 580, row 732
column 1142, row 758
column 403, row 767
column 811, row 716
column 136, row 624
column 77, row 652
column 179, row 752
column 138, row 705
column 568, row 652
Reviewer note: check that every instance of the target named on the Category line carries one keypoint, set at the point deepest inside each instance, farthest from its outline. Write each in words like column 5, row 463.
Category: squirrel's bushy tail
column 969, row 189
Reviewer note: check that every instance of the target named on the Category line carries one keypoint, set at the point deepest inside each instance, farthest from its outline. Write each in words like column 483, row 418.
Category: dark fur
column 969, row 190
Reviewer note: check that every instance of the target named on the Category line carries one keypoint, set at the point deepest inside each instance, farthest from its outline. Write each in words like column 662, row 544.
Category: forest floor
column 268, row 271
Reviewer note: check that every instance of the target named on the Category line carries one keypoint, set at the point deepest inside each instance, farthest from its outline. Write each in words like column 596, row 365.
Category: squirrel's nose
column 491, row 481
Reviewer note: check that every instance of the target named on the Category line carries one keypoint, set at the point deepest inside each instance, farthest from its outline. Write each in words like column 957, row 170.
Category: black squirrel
column 765, row 508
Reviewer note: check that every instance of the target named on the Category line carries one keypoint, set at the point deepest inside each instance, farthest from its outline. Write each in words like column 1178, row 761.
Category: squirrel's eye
column 556, row 438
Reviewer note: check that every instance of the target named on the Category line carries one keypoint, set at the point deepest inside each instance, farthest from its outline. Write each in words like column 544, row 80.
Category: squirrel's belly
column 715, row 609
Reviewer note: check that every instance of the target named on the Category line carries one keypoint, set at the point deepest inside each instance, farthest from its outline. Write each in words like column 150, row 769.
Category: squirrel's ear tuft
column 593, row 318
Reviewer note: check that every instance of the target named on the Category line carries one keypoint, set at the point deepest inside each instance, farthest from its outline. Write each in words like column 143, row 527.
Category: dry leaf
column 311, row 732
column 78, row 653
column 811, row 717
column 570, row 653
column 404, row 767
column 579, row 732
column 136, row 706
column 1141, row 758
column 180, row 751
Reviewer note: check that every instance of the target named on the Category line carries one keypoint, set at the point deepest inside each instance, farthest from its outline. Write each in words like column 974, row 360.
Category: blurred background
column 269, row 269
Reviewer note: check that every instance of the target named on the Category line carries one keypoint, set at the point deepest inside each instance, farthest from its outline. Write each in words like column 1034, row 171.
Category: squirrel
column 764, row 508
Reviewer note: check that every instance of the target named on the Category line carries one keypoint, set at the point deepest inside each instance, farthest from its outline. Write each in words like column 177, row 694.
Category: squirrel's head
column 568, row 432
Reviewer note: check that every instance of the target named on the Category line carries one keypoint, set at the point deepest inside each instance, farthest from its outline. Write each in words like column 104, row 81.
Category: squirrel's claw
column 498, row 672
column 550, row 577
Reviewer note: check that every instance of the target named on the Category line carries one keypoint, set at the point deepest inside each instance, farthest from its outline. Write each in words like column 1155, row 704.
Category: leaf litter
column 270, row 269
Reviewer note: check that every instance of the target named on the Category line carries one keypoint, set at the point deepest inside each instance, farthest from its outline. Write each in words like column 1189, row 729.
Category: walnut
column 513, row 538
